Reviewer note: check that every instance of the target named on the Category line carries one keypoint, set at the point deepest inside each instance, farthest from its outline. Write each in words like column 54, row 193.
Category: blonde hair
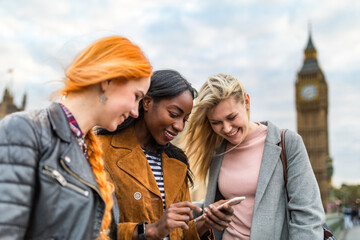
column 114, row 58
column 199, row 140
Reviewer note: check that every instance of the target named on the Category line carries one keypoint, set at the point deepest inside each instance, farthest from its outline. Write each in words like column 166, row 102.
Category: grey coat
column 271, row 219
column 47, row 188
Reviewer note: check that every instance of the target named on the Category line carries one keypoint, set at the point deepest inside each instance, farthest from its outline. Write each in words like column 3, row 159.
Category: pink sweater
column 238, row 177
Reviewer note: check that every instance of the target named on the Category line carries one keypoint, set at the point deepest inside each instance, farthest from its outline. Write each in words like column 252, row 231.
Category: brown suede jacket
column 136, row 190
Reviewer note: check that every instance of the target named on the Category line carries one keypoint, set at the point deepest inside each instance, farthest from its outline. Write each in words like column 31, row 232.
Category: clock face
column 309, row 92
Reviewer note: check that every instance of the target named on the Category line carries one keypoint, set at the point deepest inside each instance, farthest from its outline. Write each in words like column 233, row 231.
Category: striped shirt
column 154, row 160
column 155, row 163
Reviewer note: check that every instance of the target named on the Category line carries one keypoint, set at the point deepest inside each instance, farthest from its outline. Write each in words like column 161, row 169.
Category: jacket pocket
column 62, row 180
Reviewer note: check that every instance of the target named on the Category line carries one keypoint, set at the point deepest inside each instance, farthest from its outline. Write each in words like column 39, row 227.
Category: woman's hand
column 177, row 215
column 215, row 218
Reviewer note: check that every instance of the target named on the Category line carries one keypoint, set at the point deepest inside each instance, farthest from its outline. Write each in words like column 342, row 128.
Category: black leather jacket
column 47, row 188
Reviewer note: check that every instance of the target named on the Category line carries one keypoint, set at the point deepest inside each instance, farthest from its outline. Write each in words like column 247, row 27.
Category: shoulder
column 124, row 138
column 274, row 134
column 22, row 127
column 292, row 140
column 20, row 138
column 173, row 151
column 103, row 140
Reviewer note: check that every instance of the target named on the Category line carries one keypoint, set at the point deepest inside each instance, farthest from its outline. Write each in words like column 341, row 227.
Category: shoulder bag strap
column 283, row 158
column 327, row 232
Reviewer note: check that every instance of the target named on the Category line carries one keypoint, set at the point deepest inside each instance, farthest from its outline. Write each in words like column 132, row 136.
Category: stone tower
column 312, row 117
column 7, row 105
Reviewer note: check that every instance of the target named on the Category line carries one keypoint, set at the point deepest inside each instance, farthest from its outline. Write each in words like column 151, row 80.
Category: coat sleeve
column 18, row 160
column 125, row 230
column 306, row 211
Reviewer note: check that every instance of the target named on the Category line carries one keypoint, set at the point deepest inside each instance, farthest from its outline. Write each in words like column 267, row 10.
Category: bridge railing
column 336, row 222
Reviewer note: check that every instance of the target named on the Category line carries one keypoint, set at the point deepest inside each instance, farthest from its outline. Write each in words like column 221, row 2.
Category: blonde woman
column 52, row 182
column 242, row 158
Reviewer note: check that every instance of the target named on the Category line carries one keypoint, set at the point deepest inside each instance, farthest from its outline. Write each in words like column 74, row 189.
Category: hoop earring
column 103, row 99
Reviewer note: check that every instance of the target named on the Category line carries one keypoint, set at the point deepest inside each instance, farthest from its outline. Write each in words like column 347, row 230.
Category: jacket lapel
column 174, row 172
column 214, row 171
column 136, row 165
column 72, row 152
column 271, row 156
column 59, row 122
column 132, row 159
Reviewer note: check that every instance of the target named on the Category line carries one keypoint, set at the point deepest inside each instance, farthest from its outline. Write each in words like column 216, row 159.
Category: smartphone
column 231, row 202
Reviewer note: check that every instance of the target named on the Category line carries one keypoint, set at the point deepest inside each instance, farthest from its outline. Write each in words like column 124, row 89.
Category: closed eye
column 232, row 117
column 173, row 115
column 139, row 95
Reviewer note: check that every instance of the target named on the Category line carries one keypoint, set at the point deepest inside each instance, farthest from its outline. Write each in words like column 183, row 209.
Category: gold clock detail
column 309, row 92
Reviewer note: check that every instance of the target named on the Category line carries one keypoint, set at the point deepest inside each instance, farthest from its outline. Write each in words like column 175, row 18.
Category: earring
column 103, row 99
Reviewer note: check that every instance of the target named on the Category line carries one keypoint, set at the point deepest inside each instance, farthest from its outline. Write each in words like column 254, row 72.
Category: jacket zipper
column 78, row 178
column 63, row 182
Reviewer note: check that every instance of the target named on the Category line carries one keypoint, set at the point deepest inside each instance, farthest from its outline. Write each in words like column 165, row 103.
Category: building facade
column 7, row 105
column 312, row 117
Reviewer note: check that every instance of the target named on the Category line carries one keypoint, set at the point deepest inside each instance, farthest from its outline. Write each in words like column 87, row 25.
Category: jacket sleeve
column 18, row 160
column 306, row 211
column 125, row 230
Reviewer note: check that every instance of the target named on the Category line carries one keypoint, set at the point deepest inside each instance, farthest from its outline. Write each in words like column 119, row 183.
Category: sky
column 261, row 42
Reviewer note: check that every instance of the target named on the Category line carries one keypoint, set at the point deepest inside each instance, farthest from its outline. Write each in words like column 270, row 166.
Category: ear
column 147, row 103
column 104, row 85
column 247, row 101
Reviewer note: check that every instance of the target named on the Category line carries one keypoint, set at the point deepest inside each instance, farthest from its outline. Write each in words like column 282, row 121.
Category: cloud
column 260, row 42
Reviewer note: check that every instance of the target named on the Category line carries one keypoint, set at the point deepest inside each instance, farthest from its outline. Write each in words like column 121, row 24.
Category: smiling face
column 165, row 118
column 230, row 120
column 122, row 101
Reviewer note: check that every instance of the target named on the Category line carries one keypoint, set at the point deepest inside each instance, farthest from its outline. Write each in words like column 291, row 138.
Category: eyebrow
column 210, row 119
column 142, row 95
column 214, row 120
column 182, row 111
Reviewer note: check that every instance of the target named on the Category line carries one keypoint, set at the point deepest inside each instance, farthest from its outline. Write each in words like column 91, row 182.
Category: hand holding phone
column 230, row 202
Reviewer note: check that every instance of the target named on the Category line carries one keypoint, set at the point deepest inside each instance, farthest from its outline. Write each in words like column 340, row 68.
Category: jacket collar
column 126, row 139
column 72, row 153
column 271, row 156
column 59, row 122
column 133, row 161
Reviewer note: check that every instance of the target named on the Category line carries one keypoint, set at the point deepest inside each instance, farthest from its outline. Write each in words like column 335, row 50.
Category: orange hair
column 107, row 58
column 105, row 186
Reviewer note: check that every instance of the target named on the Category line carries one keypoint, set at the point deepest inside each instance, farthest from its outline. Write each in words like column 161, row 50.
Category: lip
column 169, row 135
column 122, row 119
column 234, row 133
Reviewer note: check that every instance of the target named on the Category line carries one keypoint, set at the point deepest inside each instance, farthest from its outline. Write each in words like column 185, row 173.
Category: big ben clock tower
column 312, row 114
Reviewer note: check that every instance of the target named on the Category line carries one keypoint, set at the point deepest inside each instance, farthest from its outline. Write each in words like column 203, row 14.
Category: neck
column 253, row 126
column 82, row 106
column 143, row 136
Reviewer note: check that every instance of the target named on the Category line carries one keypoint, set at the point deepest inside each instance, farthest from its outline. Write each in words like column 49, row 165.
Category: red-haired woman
column 52, row 183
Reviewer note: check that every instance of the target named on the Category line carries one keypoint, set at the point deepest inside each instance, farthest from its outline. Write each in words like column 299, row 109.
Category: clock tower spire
column 312, row 116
